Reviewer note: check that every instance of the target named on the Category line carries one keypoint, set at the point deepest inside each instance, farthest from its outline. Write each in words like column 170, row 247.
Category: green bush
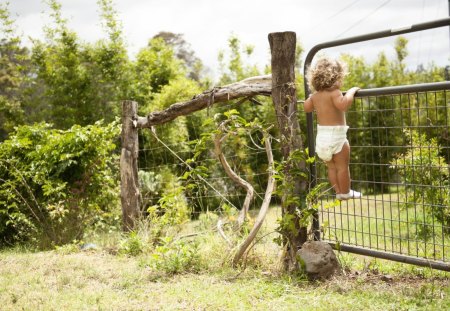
column 132, row 244
column 150, row 187
column 171, row 210
column 174, row 257
column 422, row 166
column 54, row 183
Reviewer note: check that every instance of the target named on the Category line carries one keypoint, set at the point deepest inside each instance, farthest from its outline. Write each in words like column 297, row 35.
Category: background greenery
column 59, row 100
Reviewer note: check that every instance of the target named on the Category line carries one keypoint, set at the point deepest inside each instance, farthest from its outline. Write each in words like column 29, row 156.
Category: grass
column 104, row 278
column 99, row 281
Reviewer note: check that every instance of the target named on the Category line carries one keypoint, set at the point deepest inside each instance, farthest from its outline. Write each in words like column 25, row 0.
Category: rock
column 318, row 260
column 88, row 246
column 387, row 278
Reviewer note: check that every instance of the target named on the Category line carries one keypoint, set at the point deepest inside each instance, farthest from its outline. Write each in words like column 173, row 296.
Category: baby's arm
column 308, row 105
column 342, row 102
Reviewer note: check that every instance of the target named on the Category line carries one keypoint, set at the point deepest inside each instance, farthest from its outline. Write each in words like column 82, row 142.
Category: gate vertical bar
column 311, row 153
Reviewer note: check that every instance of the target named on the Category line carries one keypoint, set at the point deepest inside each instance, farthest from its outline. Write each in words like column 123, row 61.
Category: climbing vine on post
column 293, row 200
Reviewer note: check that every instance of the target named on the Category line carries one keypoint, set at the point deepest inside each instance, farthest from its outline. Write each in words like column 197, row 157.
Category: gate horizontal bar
column 438, row 265
column 404, row 89
column 375, row 35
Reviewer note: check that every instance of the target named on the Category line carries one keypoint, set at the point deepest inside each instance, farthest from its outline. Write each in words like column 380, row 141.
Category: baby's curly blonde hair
column 326, row 74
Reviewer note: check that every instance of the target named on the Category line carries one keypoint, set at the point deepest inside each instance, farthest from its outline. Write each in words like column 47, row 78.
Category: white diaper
column 330, row 140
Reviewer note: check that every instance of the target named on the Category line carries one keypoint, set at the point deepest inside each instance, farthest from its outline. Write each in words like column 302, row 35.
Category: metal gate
column 400, row 155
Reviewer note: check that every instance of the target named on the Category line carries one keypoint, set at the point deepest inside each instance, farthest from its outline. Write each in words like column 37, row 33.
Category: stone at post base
column 318, row 260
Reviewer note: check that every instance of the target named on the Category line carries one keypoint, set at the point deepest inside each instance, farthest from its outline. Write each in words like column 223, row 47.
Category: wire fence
column 400, row 150
column 400, row 155
column 169, row 158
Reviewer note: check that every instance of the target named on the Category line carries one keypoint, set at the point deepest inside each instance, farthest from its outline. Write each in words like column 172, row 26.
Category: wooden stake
column 282, row 46
column 129, row 186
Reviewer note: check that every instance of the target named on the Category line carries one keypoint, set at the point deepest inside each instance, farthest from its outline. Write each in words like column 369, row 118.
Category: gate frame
column 364, row 93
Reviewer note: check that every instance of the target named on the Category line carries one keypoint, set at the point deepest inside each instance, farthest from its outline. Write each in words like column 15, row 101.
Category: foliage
column 161, row 253
column 172, row 208
column 155, row 66
column 426, row 174
column 164, row 202
column 177, row 131
column 235, row 69
column 242, row 136
column 57, row 183
column 150, row 187
column 305, row 206
column 11, row 115
column 173, row 134
column 14, row 61
column 132, row 245
column 77, row 83
column 172, row 257
column 208, row 220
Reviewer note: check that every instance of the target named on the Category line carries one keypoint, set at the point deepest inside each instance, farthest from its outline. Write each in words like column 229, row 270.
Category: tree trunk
column 282, row 46
column 129, row 186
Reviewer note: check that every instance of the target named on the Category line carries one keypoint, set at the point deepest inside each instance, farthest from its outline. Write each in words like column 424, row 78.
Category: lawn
column 196, row 275
column 95, row 280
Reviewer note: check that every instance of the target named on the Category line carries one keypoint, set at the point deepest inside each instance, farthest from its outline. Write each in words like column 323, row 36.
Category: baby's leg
column 332, row 176
column 341, row 161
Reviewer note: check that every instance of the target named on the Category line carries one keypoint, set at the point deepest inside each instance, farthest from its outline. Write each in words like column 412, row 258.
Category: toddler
column 329, row 104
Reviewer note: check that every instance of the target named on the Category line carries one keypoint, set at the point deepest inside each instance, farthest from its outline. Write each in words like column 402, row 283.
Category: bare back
column 327, row 108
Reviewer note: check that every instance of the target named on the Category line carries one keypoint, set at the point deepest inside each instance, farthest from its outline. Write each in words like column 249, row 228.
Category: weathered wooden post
column 282, row 46
column 129, row 186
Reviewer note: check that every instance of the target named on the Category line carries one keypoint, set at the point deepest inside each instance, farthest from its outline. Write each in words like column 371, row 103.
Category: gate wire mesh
column 400, row 155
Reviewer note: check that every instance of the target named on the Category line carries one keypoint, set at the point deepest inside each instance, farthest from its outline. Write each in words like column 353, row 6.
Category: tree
column 184, row 52
column 14, row 61
column 398, row 71
column 155, row 66
column 78, row 83
column 113, row 74
column 232, row 65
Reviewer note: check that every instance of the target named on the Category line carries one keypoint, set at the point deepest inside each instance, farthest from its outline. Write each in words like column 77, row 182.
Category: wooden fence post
column 129, row 186
column 282, row 46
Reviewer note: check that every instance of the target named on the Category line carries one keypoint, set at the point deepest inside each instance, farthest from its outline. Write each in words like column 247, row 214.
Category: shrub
column 422, row 166
column 132, row 245
column 150, row 187
column 171, row 207
column 174, row 257
column 55, row 183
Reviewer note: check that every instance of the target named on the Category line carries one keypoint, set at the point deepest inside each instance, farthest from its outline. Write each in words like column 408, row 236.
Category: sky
column 208, row 24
